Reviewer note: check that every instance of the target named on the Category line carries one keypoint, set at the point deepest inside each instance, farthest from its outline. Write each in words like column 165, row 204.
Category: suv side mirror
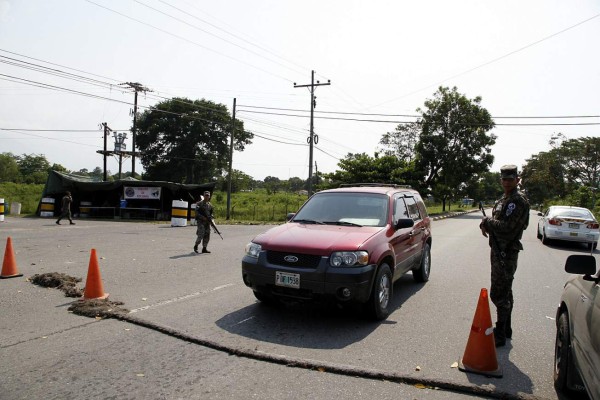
column 289, row 216
column 404, row 223
column 581, row 265
column 540, row 214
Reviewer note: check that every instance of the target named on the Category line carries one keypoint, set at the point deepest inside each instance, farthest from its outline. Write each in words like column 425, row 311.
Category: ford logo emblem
column 290, row 259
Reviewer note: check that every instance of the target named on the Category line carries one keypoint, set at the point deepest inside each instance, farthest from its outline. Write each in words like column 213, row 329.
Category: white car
column 577, row 349
column 575, row 224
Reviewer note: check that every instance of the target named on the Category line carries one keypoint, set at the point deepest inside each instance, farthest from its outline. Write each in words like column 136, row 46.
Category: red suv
column 348, row 244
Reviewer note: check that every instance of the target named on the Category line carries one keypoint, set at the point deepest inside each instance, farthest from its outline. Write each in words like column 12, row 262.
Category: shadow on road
column 311, row 325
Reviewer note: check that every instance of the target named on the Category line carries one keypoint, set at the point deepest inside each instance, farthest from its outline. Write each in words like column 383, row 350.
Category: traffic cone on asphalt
column 93, row 283
column 480, row 353
column 9, row 266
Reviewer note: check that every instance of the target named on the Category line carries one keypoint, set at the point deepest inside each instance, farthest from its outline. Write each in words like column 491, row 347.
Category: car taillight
column 554, row 221
column 593, row 225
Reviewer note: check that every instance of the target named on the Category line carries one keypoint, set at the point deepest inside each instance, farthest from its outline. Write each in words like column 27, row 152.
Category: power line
column 189, row 41
column 416, row 115
column 412, row 122
column 212, row 34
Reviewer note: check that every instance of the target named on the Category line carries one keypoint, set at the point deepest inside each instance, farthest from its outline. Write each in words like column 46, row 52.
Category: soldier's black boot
column 500, row 334
column 204, row 250
column 196, row 248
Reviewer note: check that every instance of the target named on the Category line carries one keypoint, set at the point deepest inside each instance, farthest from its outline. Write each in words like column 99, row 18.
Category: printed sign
column 151, row 193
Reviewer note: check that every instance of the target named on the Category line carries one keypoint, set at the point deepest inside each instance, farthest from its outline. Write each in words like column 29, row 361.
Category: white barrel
column 179, row 213
column 2, row 209
column 15, row 208
column 47, row 207
column 84, row 209
column 192, row 217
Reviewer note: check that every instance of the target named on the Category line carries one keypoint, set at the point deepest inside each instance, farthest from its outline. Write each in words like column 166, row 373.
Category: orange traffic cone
column 9, row 266
column 93, row 283
column 480, row 353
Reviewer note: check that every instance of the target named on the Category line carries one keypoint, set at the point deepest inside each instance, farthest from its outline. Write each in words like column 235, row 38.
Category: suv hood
column 315, row 239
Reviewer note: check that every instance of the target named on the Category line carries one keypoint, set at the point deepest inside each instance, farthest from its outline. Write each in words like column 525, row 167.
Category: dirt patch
column 64, row 282
column 98, row 308
column 94, row 308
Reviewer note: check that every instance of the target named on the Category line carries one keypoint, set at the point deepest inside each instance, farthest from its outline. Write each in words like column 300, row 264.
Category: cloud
column 4, row 9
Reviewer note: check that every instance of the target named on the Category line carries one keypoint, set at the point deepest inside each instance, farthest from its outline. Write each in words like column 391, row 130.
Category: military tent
column 125, row 198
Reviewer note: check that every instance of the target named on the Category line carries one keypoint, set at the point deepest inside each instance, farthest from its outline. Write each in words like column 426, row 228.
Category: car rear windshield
column 572, row 213
column 363, row 209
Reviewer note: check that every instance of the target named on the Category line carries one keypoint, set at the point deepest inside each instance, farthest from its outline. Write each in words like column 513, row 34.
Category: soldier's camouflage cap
column 509, row 171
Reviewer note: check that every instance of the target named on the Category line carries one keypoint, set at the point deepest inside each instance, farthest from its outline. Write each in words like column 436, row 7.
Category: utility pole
column 105, row 152
column 230, row 160
column 137, row 87
column 120, row 148
column 312, row 139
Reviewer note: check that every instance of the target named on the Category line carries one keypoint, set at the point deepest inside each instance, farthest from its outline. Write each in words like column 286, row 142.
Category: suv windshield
column 358, row 209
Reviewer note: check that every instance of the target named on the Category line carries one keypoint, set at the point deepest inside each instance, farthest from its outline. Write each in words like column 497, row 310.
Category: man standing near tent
column 66, row 208
column 204, row 216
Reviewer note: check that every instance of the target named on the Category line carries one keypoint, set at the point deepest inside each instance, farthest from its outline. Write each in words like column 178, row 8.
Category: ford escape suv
column 348, row 244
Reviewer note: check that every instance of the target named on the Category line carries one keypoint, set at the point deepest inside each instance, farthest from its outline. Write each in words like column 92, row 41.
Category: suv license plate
column 287, row 279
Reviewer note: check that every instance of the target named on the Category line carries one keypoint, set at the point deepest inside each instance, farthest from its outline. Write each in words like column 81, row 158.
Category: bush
column 29, row 195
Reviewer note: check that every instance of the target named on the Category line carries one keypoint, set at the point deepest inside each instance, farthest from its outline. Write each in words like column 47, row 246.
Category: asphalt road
column 195, row 312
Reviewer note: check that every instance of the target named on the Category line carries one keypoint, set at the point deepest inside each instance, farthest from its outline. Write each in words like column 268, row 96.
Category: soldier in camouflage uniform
column 510, row 218
column 204, row 214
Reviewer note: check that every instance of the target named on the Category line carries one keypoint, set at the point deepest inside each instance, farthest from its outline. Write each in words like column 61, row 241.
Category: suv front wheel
column 381, row 295
column 422, row 274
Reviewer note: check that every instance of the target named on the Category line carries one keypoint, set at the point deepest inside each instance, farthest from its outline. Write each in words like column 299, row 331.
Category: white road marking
column 187, row 296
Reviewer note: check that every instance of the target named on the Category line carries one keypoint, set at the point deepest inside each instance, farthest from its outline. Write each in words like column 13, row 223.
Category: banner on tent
column 131, row 192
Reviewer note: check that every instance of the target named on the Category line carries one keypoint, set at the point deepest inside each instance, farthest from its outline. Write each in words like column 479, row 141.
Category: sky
column 534, row 61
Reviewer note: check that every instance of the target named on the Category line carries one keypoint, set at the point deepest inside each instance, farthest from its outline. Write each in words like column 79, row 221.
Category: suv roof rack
column 393, row 185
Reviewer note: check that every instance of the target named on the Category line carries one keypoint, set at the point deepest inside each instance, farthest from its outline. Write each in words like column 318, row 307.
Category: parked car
column 348, row 244
column 577, row 349
column 575, row 224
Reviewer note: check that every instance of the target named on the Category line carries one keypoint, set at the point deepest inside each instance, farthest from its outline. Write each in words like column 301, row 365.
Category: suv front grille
column 304, row 260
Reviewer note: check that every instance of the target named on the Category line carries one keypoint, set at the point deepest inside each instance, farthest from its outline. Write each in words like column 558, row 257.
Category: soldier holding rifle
column 510, row 217
column 204, row 216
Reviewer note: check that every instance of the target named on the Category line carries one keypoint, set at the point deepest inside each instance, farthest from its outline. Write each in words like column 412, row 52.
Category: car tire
column 379, row 303
column 422, row 273
column 591, row 246
column 539, row 235
column 565, row 375
column 545, row 240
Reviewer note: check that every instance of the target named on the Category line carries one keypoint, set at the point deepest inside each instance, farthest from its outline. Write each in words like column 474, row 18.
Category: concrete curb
column 452, row 214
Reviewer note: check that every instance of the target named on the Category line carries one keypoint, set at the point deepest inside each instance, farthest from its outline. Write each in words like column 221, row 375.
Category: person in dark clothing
column 204, row 215
column 66, row 208
column 505, row 227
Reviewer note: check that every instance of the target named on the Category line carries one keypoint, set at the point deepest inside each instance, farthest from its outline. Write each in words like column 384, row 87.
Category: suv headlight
column 349, row 258
column 253, row 249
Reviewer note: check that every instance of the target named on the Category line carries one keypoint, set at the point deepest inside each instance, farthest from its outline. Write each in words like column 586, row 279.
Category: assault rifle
column 215, row 228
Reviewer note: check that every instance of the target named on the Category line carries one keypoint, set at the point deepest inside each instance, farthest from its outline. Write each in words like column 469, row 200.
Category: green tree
column 272, row 184
column 362, row 168
column 582, row 158
column 402, row 141
column 544, row 177
column 33, row 168
column 454, row 143
column 58, row 168
column 9, row 168
column 295, row 184
column 187, row 141
column 240, row 181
